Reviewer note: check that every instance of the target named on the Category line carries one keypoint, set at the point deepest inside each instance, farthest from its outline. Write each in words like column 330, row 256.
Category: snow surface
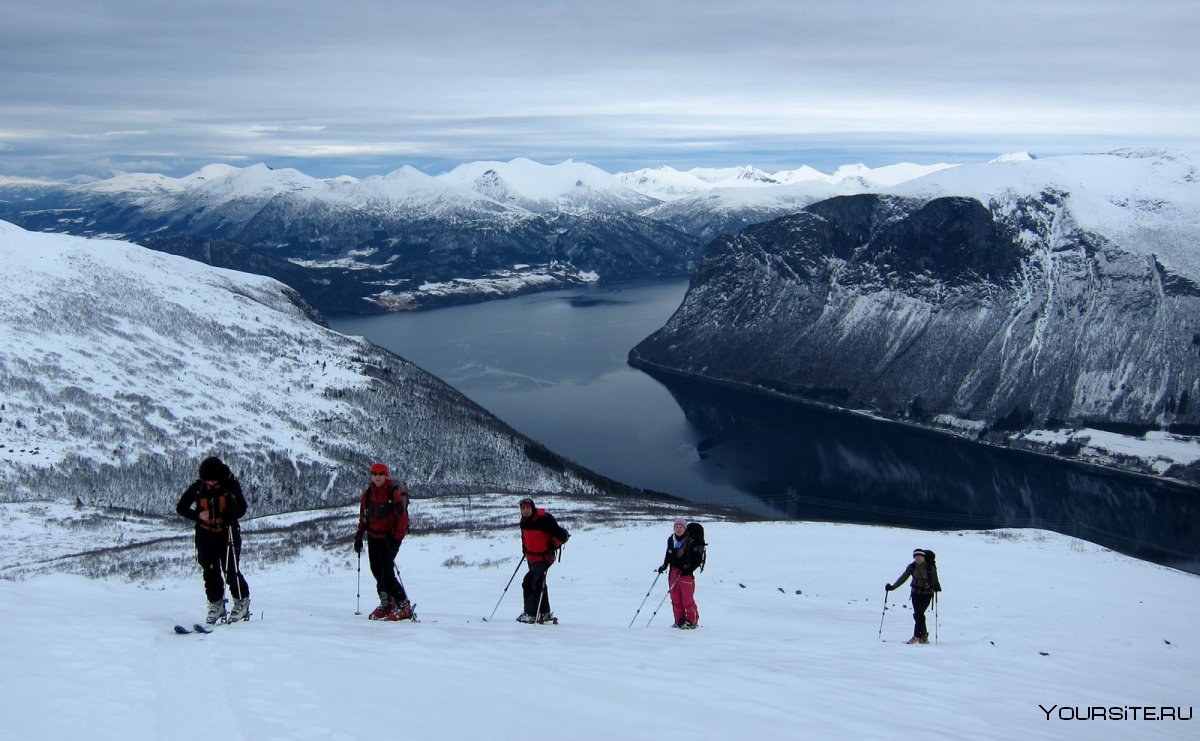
column 790, row 644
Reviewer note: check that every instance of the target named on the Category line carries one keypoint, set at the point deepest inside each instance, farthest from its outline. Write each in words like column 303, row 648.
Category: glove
column 661, row 569
column 358, row 542
column 888, row 587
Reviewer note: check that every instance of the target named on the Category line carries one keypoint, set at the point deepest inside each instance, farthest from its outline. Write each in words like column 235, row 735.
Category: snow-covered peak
column 568, row 185
column 802, row 174
column 1013, row 157
column 665, row 183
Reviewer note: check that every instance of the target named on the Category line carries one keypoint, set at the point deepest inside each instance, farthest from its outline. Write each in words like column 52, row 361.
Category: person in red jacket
column 541, row 536
column 383, row 518
column 215, row 503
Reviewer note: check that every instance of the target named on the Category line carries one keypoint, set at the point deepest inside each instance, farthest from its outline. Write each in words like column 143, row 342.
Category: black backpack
column 695, row 533
column 931, row 562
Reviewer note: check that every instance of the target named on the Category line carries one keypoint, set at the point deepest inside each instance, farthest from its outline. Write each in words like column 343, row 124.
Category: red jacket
column 383, row 511
column 541, row 535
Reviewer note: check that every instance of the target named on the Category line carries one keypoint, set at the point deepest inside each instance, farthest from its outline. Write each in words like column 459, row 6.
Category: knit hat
column 680, row 521
column 918, row 552
column 379, row 468
column 212, row 469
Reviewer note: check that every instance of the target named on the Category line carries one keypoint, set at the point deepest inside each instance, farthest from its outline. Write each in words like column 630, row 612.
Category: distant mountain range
column 124, row 367
column 409, row 240
column 990, row 299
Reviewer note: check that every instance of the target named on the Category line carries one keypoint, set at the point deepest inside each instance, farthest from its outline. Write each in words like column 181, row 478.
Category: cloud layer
column 364, row 86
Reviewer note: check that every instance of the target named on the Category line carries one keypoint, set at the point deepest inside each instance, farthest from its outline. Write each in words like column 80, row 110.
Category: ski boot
column 547, row 618
column 385, row 607
column 525, row 617
column 402, row 611
column 216, row 612
column 240, row 611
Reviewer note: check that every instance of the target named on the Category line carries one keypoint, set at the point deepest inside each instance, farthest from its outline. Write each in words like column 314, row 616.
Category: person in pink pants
column 683, row 556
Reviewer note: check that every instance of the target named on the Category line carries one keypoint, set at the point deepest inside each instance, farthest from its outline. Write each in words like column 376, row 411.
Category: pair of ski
column 196, row 628
column 202, row 628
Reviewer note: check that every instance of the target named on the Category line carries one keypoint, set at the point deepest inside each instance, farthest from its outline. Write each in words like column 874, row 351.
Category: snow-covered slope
column 1147, row 201
column 123, row 367
column 1036, row 632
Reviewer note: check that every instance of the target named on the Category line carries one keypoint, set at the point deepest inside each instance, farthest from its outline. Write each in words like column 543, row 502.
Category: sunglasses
column 379, row 474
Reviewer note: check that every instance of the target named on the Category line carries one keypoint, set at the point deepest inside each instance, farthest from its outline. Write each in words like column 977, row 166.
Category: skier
column 383, row 518
column 683, row 557
column 215, row 503
column 924, row 584
column 541, row 536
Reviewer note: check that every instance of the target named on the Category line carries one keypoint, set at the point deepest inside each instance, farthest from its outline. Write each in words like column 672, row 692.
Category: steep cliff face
column 1008, row 313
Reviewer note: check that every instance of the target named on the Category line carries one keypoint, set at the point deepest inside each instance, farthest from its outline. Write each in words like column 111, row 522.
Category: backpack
column 931, row 562
column 695, row 532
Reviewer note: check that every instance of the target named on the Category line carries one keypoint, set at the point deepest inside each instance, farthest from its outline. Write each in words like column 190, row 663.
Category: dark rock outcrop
column 1007, row 313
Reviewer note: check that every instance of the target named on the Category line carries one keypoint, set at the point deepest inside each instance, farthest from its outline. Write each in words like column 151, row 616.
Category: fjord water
column 553, row 365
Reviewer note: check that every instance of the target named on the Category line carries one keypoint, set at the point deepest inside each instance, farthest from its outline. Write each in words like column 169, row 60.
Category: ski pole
column 358, row 588
column 664, row 599
column 648, row 591
column 935, row 619
column 401, row 581
column 237, row 571
column 885, row 598
column 506, row 586
column 542, row 596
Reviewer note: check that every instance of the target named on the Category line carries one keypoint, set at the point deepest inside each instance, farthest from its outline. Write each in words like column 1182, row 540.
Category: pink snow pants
column 683, row 598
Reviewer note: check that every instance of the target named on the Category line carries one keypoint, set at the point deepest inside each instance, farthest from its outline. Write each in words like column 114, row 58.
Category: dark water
column 553, row 366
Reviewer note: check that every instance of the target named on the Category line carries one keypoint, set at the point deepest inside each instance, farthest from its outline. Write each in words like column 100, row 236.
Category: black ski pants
column 381, row 552
column 220, row 556
column 534, row 585
column 920, row 603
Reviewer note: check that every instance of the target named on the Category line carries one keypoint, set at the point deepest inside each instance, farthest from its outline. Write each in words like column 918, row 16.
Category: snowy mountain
column 123, row 367
column 409, row 240
column 796, row 637
column 1018, row 295
column 708, row 202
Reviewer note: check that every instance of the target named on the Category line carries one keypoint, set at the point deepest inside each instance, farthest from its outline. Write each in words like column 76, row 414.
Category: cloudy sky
column 362, row 87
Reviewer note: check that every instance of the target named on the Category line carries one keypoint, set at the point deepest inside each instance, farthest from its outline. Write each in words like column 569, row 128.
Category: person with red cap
column 383, row 518
column 215, row 503
column 683, row 557
column 541, row 537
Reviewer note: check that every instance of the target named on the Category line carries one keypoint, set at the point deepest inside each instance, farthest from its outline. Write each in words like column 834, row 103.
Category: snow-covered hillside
column 123, row 367
column 1035, row 633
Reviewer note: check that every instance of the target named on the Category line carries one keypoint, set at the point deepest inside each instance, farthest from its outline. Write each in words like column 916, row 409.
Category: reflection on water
column 810, row 463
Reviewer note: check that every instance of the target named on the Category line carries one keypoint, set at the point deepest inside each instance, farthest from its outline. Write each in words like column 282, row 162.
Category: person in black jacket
column 215, row 503
column 924, row 584
column 541, row 537
column 683, row 556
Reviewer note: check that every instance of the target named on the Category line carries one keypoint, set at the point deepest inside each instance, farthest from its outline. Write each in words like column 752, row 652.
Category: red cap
column 379, row 468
